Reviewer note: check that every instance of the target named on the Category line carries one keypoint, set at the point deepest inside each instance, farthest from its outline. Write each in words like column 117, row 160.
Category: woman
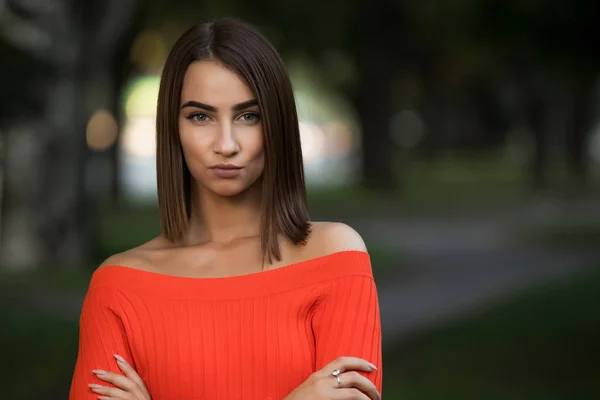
column 242, row 296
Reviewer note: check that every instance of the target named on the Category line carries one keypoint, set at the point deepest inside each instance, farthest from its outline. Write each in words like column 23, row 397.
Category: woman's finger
column 355, row 380
column 132, row 374
column 111, row 392
column 123, row 383
column 349, row 394
column 348, row 364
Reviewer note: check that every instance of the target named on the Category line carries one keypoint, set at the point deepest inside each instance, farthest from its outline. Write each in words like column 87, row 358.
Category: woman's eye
column 250, row 118
column 199, row 117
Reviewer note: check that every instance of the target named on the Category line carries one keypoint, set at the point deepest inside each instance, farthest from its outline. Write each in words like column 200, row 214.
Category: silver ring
column 336, row 373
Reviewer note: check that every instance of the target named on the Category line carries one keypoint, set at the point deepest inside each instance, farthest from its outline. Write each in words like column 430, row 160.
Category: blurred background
column 460, row 138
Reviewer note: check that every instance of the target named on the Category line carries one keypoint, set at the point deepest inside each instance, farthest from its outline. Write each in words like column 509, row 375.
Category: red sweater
column 256, row 336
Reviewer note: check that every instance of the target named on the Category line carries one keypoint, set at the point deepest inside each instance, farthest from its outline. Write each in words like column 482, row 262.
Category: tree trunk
column 45, row 203
column 535, row 117
column 577, row 136
column 64, row 219
column 374, row 108
column 47, row 213
column 20, row 246
column 373, row 97
column 435, row 106
column 538, row 166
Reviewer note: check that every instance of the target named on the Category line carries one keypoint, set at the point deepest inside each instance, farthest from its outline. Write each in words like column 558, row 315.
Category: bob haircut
column 240, row 47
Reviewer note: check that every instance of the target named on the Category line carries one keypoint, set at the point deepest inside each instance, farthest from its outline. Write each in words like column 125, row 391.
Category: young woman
column 241, row 296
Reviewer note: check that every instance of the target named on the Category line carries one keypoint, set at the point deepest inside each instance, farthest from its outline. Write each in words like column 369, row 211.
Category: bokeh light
column 101, row 131
column 148, row 51
column 139, row 137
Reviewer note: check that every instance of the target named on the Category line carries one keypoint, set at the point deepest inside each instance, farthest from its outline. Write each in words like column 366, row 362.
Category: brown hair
column 242, row 48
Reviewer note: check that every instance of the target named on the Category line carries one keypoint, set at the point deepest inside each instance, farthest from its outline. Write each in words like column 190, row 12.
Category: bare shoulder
column 332, row 237
column 136, row 258
column 129, row 258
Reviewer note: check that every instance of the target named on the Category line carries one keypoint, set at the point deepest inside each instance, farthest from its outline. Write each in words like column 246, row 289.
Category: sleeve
column 347, row 323
column 101, row 335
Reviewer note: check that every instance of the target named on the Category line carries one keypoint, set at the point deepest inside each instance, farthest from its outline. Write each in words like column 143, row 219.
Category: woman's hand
column 128, row 387
column 338, row 380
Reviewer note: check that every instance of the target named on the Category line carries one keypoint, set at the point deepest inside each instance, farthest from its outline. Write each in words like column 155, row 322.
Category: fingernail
column 99, row 372
column 373, row 367
column 94, row 386
column 120, row 359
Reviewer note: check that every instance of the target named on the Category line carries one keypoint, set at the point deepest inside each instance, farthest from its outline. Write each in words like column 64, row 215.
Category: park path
column 450, row 267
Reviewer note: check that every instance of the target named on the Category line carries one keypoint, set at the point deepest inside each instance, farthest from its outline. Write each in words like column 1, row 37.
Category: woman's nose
column 226, row 144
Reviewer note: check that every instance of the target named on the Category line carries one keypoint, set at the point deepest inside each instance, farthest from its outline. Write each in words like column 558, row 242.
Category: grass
column 540, row 345
column 433, row 187
column 565, row 232
column 444, row 186
column 46, row 279
column 38, row 353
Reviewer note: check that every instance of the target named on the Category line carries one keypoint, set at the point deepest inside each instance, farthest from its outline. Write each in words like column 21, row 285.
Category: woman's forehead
column 211, row 83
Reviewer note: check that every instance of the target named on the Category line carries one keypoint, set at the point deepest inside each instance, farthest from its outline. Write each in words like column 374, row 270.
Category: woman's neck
column 222, row 220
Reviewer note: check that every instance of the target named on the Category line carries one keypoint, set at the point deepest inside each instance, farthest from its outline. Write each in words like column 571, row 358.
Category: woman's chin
column 228, row 189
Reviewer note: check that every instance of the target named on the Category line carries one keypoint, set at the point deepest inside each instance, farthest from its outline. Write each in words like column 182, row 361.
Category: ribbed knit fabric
column 256, row 336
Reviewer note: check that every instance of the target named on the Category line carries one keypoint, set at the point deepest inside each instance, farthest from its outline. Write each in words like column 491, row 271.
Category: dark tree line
column 450, row 61
column 72, row 53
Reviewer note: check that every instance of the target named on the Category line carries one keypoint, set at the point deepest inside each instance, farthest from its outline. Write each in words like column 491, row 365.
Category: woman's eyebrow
column 237, row 107
column 197, row 104
column 244, row 105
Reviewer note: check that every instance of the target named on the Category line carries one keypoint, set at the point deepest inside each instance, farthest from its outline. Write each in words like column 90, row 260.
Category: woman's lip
column 226, row 173
column 226, row 166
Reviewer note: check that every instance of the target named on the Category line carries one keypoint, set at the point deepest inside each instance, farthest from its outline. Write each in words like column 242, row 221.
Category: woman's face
column 220, row 129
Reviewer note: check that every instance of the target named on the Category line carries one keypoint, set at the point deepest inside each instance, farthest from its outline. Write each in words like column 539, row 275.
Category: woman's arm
column 101, row 336
column 348, row 339
column 348, row 324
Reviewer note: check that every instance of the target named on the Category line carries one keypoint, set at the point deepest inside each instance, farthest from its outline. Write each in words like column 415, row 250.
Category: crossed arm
column 356, row 354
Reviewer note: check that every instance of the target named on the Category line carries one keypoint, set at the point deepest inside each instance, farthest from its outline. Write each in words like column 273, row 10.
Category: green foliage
column 560, row 34
column 20, row 69
column 125, row 226
column 539, row 345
